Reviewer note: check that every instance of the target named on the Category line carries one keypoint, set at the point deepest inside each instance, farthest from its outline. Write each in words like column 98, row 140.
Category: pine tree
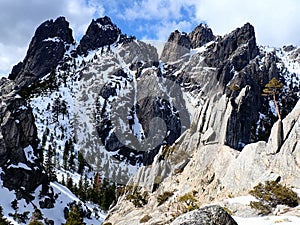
column 63, row 182
column 86, row 188
column 81, row 163
column 107, row 194
column 69, row 183
column 72, row 156
column 74, row 217
column 80, row 189
column 272, row 89
column 3, row 221
column 56, row 108
column 50, row 164
column 63, row 108
column 71, row 161
column 66, row 155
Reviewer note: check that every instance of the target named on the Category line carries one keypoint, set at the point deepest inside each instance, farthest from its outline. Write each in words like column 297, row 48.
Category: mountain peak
column 100, row 32
column 201, row 35
column 57, row 28
column 45, row 51
column 178, row 44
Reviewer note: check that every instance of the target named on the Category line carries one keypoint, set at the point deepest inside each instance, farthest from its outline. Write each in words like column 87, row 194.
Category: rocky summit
column 106, row 130
column 46, row 49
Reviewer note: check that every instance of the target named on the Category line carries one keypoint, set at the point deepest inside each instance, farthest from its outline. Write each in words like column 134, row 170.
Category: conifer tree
column 72, row 156
column 71, row 161
column 50, row 163
column 81, row 194
column 63, row 182
column 74, row 217
column 87, row 189
column 2, row 220
column 81, row 163
column 69, row 183
column 107, row 194
column 66, row 155
column 272, row 89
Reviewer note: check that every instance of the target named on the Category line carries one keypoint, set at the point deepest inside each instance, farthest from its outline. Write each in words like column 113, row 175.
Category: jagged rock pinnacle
column 100, row 32
column 201, row 35
column 178, row 44
column 46, row 49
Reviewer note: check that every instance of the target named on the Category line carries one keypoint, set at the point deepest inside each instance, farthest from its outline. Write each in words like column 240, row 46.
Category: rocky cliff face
column 101, row 32
column 178, row 45
column 81, row 96
column 225, row 79
column 20, row 157
column 47, row 48
column 211, row 173
column 201, row 35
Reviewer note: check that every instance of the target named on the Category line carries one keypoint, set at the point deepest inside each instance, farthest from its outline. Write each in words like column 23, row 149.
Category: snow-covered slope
column 19, row 211
column 71, row 109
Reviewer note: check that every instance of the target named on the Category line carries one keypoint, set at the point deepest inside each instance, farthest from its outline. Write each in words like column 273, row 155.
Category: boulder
column 209, row 215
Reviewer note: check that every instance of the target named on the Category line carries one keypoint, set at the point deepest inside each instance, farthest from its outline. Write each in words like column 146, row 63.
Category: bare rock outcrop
column 201, row 35
column 213, row 171
column 20, row 157
column 100, row 32
column 178, row 45
column 209, row 215
column 45, row 51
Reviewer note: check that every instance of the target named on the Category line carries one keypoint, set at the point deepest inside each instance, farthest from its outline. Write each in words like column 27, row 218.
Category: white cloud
column 276, row 22
column 163, row 31
column 153, row 9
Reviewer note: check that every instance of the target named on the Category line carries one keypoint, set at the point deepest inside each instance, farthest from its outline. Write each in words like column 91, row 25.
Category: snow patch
column 19, row 166
column 29, row 154
column 53, row 39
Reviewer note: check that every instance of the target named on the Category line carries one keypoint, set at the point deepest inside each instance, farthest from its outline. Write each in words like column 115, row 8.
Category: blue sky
column 276, row 22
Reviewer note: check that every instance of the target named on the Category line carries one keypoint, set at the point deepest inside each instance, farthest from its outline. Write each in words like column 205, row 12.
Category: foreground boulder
column 209, row 215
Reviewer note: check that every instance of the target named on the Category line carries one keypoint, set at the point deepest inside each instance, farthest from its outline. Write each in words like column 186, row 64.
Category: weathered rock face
column 178, row 44
column 152, row 102
column 209, row 215
column 224, row 48
column 20, row 158
column 225, row 78
column 101, row 32
column 45, row 51
column 201, row 35
column 212, row 173
column 209, row 76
